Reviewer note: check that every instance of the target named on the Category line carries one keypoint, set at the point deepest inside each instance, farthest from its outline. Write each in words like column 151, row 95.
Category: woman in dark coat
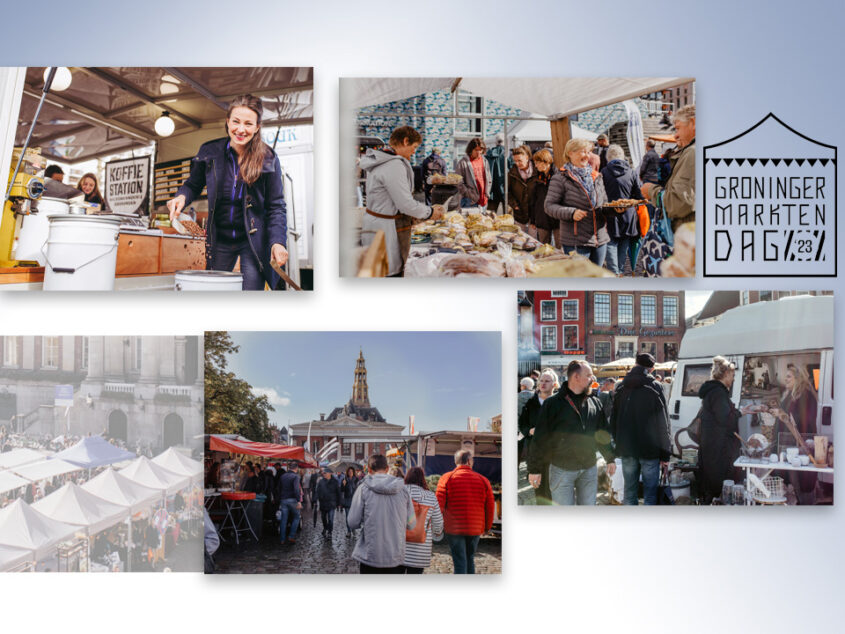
column 718, row 448
column 522, row 178
column 246, row 206
column 546, row 169
column 527, row 423
column 347, row 490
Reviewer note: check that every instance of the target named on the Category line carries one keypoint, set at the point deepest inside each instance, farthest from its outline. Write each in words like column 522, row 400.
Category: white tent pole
column 507, row 145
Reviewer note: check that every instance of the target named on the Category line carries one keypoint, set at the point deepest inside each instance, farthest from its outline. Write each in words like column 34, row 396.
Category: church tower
column 360, row 393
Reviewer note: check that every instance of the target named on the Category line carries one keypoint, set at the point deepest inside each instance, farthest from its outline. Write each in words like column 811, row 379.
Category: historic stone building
column 358, row 427
column 145, row 391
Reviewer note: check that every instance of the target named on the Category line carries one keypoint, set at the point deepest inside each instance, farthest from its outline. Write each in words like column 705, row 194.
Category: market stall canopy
column 263, row 449
column 46, row 469
column 18, row 457
column 175, row 461
column 92, row 452
column 112, row 110
column 11, row 557
column 144, row 471
column 626, row 362
column 540, row 130
column 9, row 482
column 791, row 323
column 120, row 490
column 21, row 526
column 553, row 97
column 72, row 504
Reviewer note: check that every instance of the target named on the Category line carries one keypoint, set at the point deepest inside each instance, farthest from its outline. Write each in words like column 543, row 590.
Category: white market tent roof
column 144, row 471
column 178, row 463
column 18, row 457
column 92, row 452
column 552, row 97
column 11, row 557
column 540, row 130
column 9, row 481
column 21, row 526
column 789, row 324
column 74, row 505
column 45, row 469
column 117, row 489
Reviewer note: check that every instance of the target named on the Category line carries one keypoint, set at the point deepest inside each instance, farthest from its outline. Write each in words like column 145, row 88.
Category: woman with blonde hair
column 547, row 384
column 88, row 186
column 577, row 198
column 800, row 402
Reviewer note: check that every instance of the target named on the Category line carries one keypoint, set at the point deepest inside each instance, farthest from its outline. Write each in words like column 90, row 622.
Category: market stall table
column 764, row 468
column 236, row 515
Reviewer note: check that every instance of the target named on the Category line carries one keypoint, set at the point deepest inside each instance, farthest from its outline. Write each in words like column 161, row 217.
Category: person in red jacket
column 466, row 501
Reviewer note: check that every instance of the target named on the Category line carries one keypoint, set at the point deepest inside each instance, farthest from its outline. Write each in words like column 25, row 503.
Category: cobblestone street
column 315, row 554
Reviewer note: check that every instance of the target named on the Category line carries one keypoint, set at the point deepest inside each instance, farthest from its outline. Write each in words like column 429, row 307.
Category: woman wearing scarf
column 576, row 197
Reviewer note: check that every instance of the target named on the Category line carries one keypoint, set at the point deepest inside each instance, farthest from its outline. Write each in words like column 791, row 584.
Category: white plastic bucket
column 208, row 281
column 681, row 489
column 35, row 227
column 81, row 253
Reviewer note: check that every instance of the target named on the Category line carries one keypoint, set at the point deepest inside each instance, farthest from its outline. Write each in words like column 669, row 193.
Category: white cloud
column 272, row 395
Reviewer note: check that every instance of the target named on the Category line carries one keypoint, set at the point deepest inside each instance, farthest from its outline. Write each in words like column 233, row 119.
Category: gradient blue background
column 625, row 570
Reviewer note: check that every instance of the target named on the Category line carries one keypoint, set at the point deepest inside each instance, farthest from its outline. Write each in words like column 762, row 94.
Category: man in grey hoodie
column 382, row 506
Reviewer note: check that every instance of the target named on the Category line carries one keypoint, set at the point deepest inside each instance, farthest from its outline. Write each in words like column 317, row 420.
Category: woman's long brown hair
column 252, row 160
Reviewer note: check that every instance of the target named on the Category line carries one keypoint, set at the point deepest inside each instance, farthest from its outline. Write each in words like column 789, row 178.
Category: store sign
column 63, row 396
column 127, row 186
column 770, row 204
column 633, row 332
column 561, row 359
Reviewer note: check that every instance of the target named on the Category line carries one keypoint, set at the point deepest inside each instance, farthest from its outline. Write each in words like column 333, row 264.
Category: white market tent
column 18, row 457
column 11, row 557
column 9, row 481
column 74, row 505
column 144, row 471
column 178, row 463
column 21, row 526
column 552, row 97
column 92, row 452
column 539, row 130
column 120, row 490
column 45, row 469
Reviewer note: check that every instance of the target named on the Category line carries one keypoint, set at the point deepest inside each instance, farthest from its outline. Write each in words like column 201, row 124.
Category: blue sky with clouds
column 439, row 377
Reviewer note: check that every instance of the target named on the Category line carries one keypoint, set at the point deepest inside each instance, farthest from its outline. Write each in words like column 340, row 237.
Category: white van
column 762, row 339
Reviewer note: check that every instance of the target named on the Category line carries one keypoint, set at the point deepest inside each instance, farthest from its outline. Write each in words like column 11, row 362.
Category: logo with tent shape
column 770, row 204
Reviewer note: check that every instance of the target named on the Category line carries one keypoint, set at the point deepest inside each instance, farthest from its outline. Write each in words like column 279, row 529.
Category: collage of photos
column 100, row 454
column 145, row 178
column 504, row 177
column 675, row 398
column 401, row 474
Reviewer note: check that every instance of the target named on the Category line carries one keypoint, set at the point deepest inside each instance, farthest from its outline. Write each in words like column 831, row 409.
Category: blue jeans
column 567, row 485
column 617, row 251
column 225, row 254
column 463, row 549
column 594, row 254
column 632, row 468
column 287, row 506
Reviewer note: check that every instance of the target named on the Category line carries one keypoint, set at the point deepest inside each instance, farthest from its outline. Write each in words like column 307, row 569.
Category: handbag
column 657, row 244
column 416, row 535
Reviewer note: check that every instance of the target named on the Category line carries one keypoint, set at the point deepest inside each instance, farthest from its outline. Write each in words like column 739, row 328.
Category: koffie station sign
column 770, row 204
column 127, row 188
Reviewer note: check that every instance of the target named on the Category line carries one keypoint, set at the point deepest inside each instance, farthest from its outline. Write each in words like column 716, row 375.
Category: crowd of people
column 393, row 514
column 565, row 207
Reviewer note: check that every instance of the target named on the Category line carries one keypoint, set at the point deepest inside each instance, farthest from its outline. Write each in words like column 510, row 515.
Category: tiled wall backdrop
column 450, row 136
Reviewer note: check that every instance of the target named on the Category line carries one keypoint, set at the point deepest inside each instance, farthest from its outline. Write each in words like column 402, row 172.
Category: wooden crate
column 138, row 255
column 179, row 254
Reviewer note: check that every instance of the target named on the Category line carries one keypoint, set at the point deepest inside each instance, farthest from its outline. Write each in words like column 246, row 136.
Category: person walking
column 466, row 501
column 527, row 423
column 382, row 508
column 290, row 505
column 571, row 429
column 639, row 423
column 328, row 496
column 429, row 522
column 347, row 489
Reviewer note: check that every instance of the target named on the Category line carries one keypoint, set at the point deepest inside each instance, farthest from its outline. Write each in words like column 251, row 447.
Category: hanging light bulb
column 164, row 124
column 62, row 79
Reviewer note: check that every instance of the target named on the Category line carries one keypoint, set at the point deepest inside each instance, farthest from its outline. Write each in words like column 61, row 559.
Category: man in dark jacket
column 640, row 426
column 572, row 427
column 602, row 143
column 328, row 497
column 289, row 494
column 620, row 181
column 496, row 158
column 648, row 167
column 432, row 164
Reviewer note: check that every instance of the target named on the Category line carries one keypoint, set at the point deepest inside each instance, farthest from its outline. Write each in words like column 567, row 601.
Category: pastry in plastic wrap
column 455, row 265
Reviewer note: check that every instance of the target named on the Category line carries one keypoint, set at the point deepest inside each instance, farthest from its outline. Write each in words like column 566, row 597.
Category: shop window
column 548, row 310
column 602, row 352
column 766, row 296
column 50, row 352
column 694, row 378
column 560, row 293
column 670, row 310
column 10, row 352
column 670, row 351
column 648, row 310
column 548, row 337
column 625, row 309
column 649, row 347
column 625, row 350
column 570, row 337
column 601, row 308
column 570, row 309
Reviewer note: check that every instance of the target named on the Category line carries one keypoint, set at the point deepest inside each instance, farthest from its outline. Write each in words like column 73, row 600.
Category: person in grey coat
column 382, row 507
column 648, row 167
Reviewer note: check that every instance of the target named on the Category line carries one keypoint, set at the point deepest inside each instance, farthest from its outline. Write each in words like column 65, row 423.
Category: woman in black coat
column 546, row 169
column 347, row 490
column 527, row 423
